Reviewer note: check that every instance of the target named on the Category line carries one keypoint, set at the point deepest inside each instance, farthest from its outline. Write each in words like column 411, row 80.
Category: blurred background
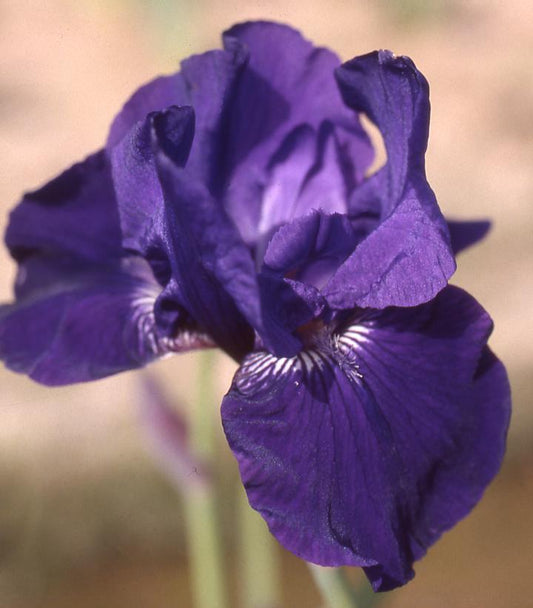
column 87, row 519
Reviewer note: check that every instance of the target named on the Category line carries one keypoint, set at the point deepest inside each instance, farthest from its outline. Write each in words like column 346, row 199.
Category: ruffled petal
column 476, row 461
column 76, row 323
column 83, row 309
column 289, row 304
column 332, row 177
column 211, row 268
column 286, row 174
column 155, row 95
column 246, row 106
column 307, row 173
column 286, row 83
column 310, row 248
column 75, row 213
column 211, row 80
column 160, row 212
column 287, row 80
column 214, row 269
column 403, row 262
column 394, row 95
column 172, row 219
column 366, row 446
column 206, row 83
column 139, row 194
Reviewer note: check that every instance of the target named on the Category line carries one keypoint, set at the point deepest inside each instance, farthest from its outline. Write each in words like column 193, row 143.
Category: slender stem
column 259, row 575
column 202, row 428
column 338, row 592
column 334, row 589
column 205, row 550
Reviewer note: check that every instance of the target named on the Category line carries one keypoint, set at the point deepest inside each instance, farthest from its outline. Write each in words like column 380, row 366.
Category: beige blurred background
column 86, row 518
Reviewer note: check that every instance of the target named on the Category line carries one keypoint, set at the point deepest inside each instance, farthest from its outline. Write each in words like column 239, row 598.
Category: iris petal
column 158, row 94
column 287, row 83
column 205, row 83
column 307, row 173
column 137, row 187
column 75, row 213
column 394, row 95
column 403, row 262
column 85, row 308
column 211, row 268
column 301, row 78
column 366, row 446
column 300, row 258
column 79, row 323
column 310, row 248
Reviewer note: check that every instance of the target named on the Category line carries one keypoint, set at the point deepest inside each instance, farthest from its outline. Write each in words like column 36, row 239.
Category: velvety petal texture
column 211, row 266
column 85, row 308
column 411, row 240
column 288, row 86
column 268, row 129
column 232, row 207
column 86, row 323
column 403, row 262
column 376, row 438
column 135, row 179
column 75, row 213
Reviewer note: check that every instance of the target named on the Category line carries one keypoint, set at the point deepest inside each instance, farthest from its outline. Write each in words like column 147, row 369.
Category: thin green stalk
column 259, row 582
column 334, row 588
column 367, row 597
column 338, row 592
column 205, row 549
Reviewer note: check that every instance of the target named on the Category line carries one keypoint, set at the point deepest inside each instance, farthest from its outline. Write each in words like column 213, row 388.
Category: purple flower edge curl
column 231, row 208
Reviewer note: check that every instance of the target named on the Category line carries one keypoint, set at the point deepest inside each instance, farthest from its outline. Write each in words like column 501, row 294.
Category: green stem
column 205, row 549
column 259, row 574
column 334, row 588
column 338, row 592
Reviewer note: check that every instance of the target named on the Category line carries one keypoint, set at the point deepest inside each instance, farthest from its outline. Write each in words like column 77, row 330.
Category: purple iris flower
column 231, row 206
